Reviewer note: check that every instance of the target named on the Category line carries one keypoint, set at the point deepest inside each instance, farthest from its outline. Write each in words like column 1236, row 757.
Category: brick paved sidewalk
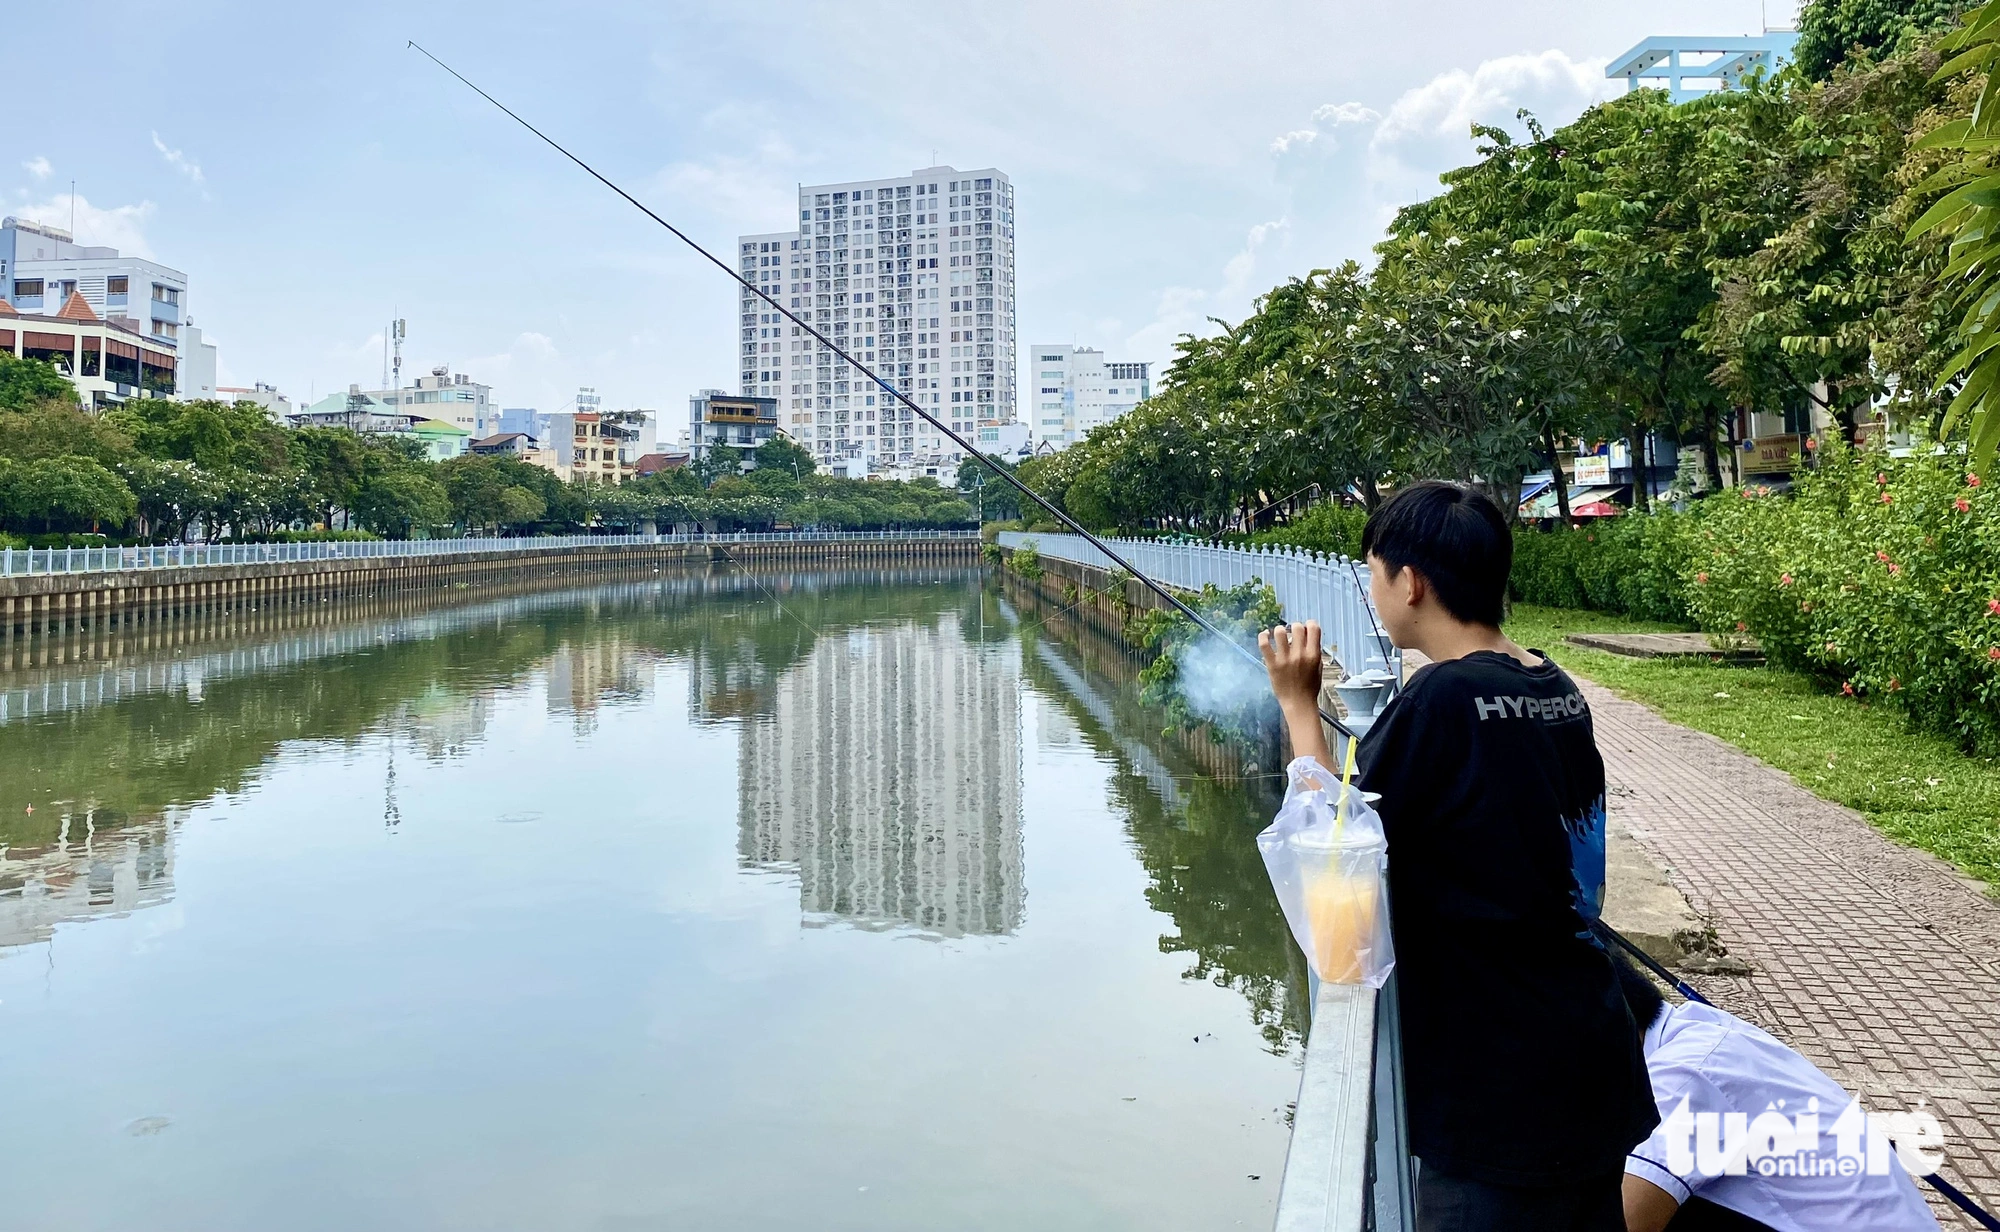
column 1878, row 962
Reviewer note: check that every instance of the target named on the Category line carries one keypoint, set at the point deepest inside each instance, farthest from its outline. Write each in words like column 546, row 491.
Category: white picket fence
column 1309, row 585
column 21, row 562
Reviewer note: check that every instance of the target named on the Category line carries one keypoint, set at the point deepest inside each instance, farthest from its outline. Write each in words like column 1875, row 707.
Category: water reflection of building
column 445, row 724
column 583, row 675
column 887, row 775
column 94, row 868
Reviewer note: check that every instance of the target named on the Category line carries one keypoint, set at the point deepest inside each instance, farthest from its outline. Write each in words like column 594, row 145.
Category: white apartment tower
column 1075, row 391
column 913, row 277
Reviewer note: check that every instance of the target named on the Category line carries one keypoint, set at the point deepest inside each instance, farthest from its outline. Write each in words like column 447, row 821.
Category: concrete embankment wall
column 60, row 602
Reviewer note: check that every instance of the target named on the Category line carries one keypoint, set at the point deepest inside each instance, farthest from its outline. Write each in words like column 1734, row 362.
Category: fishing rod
column 888, row 388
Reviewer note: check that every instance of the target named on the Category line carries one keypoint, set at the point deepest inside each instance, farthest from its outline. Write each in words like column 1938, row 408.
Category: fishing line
column 768, row 593
column 1077, row 528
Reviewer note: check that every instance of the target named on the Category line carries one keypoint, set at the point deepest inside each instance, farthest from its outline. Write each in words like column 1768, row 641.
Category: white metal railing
column 23, row 562
column 1309, row 585
column 1348, row 1168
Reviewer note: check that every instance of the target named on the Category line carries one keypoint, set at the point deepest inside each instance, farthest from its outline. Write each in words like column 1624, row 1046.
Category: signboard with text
column 1593, row 470
column 1771, row 455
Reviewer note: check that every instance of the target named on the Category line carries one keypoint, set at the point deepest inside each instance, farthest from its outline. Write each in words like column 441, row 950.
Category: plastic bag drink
column 1328, row 860
column 1343, row 890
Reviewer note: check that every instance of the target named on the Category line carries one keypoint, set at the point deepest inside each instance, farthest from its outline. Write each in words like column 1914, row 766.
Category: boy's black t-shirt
column 1522, row 1064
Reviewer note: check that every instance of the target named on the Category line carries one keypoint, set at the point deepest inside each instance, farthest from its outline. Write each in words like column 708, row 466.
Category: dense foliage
column 1649, row 268
column 1831, row 30
column 1201, row 681
column 161, row 470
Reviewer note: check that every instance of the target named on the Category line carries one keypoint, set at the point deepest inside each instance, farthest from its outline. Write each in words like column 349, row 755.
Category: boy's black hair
column 1456, row 537
column 1642, row 996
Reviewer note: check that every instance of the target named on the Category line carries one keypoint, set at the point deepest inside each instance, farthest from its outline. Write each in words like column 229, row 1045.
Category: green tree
column 70, row 493
column 171, row 496
column 1969, row 215
column 398, row 504
column 782, row 453
column 1831, row 30
column 28, row 383
column 334, row 462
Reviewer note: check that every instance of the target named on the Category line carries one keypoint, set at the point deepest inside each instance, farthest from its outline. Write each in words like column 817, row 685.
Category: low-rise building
column 1073, row 391
column 275, row 404
column 738, row 422
column 450, row 396
column 1010, row 442
column 655, row 463
column 354, row 411
column 107, row 360
column 525, row 448
column 441, row 440
column 41, row 266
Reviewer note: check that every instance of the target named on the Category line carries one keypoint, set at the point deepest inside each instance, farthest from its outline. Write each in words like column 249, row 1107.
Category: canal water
column 846, row 901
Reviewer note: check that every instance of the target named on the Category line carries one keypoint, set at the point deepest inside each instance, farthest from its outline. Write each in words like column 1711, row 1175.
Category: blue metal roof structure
column 1721, row 63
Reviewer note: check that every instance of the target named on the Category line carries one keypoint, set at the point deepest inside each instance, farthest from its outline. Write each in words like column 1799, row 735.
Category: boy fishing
column 1525, row 1080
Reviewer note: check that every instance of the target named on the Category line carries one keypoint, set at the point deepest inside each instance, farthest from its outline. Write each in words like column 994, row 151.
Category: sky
column 1171, row 159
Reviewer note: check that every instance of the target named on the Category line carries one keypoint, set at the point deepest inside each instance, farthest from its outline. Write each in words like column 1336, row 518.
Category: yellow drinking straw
column 1340, row 809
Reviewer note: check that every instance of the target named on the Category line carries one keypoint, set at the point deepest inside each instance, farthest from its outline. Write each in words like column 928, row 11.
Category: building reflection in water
column 607, row 668
column 100, row 865
column 885, row 773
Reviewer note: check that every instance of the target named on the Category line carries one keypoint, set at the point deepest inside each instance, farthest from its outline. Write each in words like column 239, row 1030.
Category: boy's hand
column 1291, row 655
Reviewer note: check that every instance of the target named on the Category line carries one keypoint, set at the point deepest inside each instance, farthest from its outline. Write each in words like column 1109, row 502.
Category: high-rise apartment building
column 914, row 278
column 1075, row 391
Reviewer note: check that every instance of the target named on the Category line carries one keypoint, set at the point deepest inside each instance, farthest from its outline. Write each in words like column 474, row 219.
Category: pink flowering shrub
column 1880, row 574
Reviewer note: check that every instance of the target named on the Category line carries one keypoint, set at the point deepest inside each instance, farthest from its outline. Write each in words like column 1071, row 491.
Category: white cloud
column 1346, row 113
column 38, row 167
column 1450, row 103
column 121, row 227
column 1326, row 120
column 178, row 161
column 1186, row 310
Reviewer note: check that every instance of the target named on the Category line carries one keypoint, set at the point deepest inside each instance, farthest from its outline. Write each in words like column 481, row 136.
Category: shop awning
column 1595, row 503
column 1583, row 503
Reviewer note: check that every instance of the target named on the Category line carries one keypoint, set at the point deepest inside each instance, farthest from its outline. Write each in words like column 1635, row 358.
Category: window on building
column 165, row 294
column 117, row 285
column 27, row 287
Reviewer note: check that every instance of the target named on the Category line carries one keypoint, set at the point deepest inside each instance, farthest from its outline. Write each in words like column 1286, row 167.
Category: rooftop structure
column 450, row 396
column 1692, row 67
column 108, row 361
column 355, row 411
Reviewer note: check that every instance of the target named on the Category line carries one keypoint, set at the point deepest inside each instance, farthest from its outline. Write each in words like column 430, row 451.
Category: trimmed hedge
column 1633, row 566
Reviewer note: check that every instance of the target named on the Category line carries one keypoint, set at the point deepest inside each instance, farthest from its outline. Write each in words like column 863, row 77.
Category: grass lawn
column 1917, row 789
